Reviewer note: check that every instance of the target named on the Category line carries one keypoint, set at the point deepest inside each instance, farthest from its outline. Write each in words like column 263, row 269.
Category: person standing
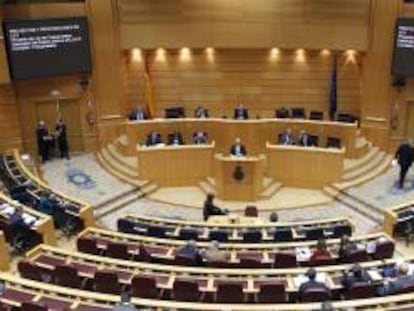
column 404, row 156
column 43, row 140
column 62, row 139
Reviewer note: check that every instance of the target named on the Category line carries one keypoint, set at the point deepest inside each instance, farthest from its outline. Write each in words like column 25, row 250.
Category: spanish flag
column 148, row 90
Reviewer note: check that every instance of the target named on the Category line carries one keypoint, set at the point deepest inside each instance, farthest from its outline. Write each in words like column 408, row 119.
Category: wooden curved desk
column 298, row 228
column 304, row 167
column 254, row 133
column 248, row 185
column 175, row 165
column 85, row 211
column 81, row 300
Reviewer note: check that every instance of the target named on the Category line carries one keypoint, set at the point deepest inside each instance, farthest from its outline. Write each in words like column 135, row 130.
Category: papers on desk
column 28, row 219
column 371, row 247
column 300, row 279
column 374, row 275
column 9, row 210
column 303, row 253
column 411, row 269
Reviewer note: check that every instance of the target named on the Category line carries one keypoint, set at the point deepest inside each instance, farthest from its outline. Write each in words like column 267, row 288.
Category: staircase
column 357, row 204
column 270, row 187
column 117, row 202
column 358, row 171
column 125, row 168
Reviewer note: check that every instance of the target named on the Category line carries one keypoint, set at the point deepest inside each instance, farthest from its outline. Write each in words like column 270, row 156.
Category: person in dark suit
column 237, row 149
column 357, row 275
column 401, row 282
column 138, row 113
column 43, row 141
column 209, row 209
column 201, row 112
column 20, row 231
column 175, row 138
column 346, row 247
column 200, row 138
column 153, row 139
column 312, row 284
column 304, row 139
column 286, row 138
column 404, row 156
column 190, row 250
column 241, row 113
column 282, row 113
column 62, row 139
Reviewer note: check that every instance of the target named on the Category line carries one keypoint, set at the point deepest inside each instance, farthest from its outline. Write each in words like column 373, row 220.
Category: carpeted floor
column 83, row 178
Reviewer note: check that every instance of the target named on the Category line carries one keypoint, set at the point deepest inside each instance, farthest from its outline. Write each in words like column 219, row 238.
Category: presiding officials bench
column 242, row 255
column 253, row 133
column 237, row 232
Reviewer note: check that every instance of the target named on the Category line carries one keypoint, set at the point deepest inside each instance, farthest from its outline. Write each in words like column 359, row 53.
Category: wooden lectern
column 239, row 178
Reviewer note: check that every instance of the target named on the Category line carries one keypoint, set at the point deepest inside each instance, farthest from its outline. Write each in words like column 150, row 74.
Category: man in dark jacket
column 404, row 156
column 62, row 139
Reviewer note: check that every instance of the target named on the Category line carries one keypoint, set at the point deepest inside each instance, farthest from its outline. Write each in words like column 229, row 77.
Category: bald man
column 237, row 149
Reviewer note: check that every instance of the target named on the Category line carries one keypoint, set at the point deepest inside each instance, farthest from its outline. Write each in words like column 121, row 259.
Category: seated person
column 175, row 138
column 286, row 138
column 304, row 139
column 214, row 254
column 190, row 250
column 321, row 252
column 273, row 217
column 153, row 139
column 357, row 275
column 20, row 231
column 46, row 204
column 240, row 113
column 138, row 113
column 200, row 138
column 209, row 209
column 201, row 112
column 312, row 284
column 403, row 280
column 19, row 193
column 346, row 246
column 237, row 149
column 282, row 113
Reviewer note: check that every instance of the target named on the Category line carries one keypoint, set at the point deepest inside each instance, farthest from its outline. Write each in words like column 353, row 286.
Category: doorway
column 69, row 111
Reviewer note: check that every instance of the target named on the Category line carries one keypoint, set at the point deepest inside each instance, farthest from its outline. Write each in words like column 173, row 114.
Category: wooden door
column 48, row 111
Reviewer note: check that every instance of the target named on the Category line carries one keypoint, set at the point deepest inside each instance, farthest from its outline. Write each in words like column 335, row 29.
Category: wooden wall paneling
column 4, row 69
column 30, row 93
column 104, row 28
column 376, row 80
column 336, row 24
column 254, row 77
column 10, row 136
column 10, row 132
column 43, row 10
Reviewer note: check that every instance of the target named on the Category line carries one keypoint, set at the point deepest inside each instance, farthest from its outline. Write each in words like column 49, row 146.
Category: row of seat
column 141, row 248
column 90, row 272
column 267, row 232
column 71, row 215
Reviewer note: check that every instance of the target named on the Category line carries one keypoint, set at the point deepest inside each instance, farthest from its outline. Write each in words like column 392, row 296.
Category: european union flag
column 333, row 96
